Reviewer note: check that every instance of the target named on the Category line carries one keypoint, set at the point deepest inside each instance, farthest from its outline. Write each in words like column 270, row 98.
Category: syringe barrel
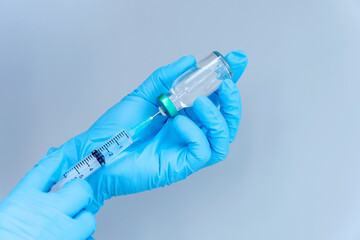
column 102, row 155
column 203, row 79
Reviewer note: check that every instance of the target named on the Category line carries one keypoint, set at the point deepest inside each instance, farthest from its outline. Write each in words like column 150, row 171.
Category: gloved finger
column 85, row 224
column 161, row 80
column 230, row 106
column 73, row 197
column 39, row 177
column 198, row 148
column 216, row 126
column 238, row 61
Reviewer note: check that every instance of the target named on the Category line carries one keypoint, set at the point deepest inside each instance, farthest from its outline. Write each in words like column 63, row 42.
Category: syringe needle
column 155, row 115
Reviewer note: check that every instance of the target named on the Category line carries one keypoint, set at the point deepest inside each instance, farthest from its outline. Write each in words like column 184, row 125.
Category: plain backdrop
column 293, row 171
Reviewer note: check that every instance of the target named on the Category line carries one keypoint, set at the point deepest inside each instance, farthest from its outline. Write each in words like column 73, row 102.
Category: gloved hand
column 30, row 212
column 169, row 149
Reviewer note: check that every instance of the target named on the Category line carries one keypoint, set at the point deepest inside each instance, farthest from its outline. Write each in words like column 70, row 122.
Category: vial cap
column 167, row 105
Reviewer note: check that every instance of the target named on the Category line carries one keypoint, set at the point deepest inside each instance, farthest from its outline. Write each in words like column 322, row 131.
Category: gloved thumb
column 238, row 61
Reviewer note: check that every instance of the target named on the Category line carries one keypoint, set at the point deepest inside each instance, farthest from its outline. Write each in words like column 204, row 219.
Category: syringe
column 103, row 154
column 203, row 79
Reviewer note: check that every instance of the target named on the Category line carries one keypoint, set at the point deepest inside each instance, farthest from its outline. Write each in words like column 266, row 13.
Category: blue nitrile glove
column 169, row 150
column 31, row 212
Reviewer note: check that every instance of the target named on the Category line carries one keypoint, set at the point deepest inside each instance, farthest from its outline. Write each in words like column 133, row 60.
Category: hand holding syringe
column 137, row 167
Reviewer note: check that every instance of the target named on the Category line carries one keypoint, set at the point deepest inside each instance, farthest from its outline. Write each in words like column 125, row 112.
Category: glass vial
column 202, row 80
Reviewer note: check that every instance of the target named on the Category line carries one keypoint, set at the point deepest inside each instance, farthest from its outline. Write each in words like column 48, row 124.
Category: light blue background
column 293, row 171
